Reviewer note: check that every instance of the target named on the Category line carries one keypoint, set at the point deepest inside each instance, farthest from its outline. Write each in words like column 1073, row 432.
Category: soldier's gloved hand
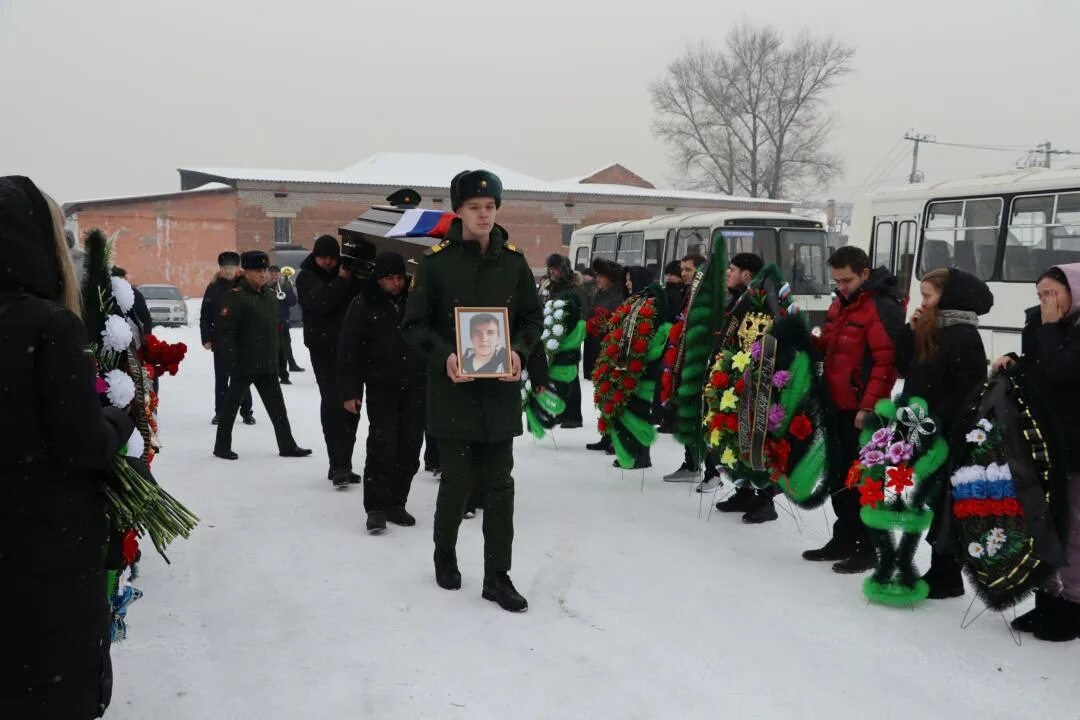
column 515, row 368
column 453, row 371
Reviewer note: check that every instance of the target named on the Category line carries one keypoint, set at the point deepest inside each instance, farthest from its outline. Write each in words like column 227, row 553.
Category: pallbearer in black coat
column 54, row 661
column 373, row 352
column 941, row 358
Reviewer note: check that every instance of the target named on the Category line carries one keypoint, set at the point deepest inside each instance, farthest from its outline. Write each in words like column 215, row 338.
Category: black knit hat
column 388, row 263
column 254, row 260
column 475, row 184
column 326, row 246
column 673, row 268
column 228, row 259
column 964, row 291
column 748, row 261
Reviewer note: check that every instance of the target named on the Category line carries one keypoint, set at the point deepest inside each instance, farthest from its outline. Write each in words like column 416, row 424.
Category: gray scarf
column 948, row 318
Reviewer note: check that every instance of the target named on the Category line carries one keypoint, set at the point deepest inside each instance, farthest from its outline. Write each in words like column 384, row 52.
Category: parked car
column 166, row 303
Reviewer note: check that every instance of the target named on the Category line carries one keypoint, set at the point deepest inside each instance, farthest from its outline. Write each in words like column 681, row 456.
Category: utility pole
column 1047, row 150
column 916, row 138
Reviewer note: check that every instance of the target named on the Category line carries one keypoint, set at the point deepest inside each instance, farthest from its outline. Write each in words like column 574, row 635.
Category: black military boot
column 1062, row 621
column 603, row 444
column 249, row 419
column 499, row 589
column 832, row 551
column 225, row 454
column 741, row 501
column 447, row 574
column 296, row 452
column 1032, row 620
column 376, row 522
column 944, row 577
column 339, row 478
column 864, row 558
column 400, row 516
column 764, row 510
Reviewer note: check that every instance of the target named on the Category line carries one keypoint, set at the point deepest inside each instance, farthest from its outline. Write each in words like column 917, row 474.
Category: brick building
column 176, row 237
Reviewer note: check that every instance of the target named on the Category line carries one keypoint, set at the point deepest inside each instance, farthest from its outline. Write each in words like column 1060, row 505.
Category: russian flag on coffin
column 422, row 223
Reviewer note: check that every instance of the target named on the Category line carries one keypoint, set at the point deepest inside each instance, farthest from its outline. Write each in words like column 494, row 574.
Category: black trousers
column 270, row 391
column 285, row 357
column 338, row 424
column 488, row 465
column 589, row 354
column 221, row 387
column 848, row 529
column 711, row 470
column 395, row 433
column 573, row 402
column 431, row 453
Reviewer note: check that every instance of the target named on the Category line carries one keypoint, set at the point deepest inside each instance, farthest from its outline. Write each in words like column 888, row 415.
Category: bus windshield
column 802, row 254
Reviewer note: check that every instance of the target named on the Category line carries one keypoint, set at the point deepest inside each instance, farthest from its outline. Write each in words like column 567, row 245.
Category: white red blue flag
column 422, row 223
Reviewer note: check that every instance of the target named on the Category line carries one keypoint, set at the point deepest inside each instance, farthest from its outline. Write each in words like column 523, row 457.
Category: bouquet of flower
column 135, row 500
column 1005, row 470
column 163, row 357
column 895, row 475
column 621, row 391
column 724, row 389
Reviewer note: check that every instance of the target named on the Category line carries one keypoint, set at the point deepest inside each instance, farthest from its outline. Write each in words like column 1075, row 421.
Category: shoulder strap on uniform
column 439, row 247
column 513, row 248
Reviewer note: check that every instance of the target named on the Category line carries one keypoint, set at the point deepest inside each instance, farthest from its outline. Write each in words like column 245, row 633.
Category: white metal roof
column 208, row 187
column 1022, row 180
column 668, row 222
column 422, row 170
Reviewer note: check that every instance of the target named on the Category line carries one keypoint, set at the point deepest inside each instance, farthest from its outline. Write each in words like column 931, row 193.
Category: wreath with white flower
column 564, row 332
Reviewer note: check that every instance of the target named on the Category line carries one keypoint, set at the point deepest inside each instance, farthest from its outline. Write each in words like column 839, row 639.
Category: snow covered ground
column 641, row 606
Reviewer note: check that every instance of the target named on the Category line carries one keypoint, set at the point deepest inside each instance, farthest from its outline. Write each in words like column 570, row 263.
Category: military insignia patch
column 225, row 312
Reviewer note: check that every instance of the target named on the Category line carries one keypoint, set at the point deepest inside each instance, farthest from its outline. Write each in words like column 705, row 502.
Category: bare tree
column 750, row 118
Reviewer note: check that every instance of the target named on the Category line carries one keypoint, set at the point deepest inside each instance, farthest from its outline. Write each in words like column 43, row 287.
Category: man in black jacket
column 324, row 288
column 286, row 294
column 374, row 353
column 212, row 303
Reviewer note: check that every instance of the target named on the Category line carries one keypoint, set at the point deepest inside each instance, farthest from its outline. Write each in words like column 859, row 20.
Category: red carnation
column 647, row 311
column 731, row 422
column 740, row 385
column 721, row 379
column 801, row 427
column 778, row 452
column 604, row 388
column 635, row 366
column 639, row 346
column 612, row 351
column 618, row 334
column 717, row 422
column 609, row 407
column 644, row 328
column 630, row 382
column 619, row 397
column 601, row 425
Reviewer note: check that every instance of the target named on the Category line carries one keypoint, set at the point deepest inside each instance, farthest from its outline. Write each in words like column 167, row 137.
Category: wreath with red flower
column 622, row 393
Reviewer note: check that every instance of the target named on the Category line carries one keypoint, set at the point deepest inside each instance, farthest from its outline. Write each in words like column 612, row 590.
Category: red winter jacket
column 860, row 360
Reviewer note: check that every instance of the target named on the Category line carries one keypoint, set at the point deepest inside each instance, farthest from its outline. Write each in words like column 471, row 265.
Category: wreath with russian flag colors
column 622, row 392
column 896, row 474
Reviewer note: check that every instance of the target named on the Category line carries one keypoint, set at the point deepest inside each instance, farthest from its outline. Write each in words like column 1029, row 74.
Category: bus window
column 581, row 258
column 630, row 246
column 803, row 261
column 905, row 254
column 671, row 248
column 962, row 233
column 760, row 240
column 693, row 241
column 1044, row 230
column 652, row 257
column 604, row 246
column 883, row 246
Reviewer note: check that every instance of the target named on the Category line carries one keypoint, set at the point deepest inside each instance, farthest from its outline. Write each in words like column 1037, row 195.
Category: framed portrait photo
column 483, row 345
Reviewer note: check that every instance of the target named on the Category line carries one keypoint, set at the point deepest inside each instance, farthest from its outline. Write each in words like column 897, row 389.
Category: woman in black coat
column 1051, row 361
column 940, row 356
column 54, row 661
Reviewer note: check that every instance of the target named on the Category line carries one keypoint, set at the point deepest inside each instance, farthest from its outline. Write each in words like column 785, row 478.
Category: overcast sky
column 108, row 98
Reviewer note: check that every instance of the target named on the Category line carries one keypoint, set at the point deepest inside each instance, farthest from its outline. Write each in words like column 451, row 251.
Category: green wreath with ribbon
column 564, row 332
column 896, row 474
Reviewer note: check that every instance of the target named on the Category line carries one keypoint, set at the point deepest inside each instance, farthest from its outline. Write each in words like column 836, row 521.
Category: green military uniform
column 248, row 337
column 474, row 423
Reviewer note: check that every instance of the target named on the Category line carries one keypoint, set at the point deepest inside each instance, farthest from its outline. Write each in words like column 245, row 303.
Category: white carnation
column 135, row 445
column 123, row 294
column 528, row 385
column 121, row 388
column 969, row 474
column 552, row 345
column 546, row 335
column 117, row 336
column 560, row 304
column 549, row 321
column 559, row 314
column 558, row 330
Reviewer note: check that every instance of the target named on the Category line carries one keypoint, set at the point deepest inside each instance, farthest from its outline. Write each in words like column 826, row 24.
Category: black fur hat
column 475, row 184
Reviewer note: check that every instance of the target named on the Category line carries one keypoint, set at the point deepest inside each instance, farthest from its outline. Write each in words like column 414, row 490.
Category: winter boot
column 399, row 516
column 763, row 512
column 603, row 444
column 447, row 574
column 498, row 588
column 832, row 551
column 1062, row 621
column 864, row 558
column 225, row 454
column 944, row 577
column 742, row 500
column 1032, row 620
column 296, row 452
column 340, row 479
column 376, row 522
column 571, row 424
column 249, row 419
column 354, row 479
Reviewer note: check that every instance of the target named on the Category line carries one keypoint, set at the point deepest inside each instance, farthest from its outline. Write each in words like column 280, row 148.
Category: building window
column 282, row 231
column 567, row 234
